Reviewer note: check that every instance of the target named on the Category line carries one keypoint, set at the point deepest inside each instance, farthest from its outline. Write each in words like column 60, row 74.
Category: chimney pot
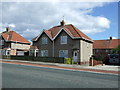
column 7, row 29
column 110, row 38
column 62, row 23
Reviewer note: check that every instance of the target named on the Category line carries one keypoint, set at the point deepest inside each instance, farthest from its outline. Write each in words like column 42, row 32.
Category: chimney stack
column 62, row 23
column 110, row 38
column 7, row 29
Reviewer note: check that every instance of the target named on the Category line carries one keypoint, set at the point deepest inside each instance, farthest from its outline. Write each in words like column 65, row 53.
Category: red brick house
column 104, row 47
column 64, row 41
column 12, row 43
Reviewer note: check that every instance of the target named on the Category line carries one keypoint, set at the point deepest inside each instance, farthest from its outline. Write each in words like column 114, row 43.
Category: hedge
column 41, row 59
column 31, row 58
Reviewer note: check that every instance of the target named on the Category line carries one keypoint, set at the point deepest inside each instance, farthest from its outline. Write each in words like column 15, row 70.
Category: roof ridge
column 11, row 35
column 53, row 27
column 7, row 37
column 105, row 39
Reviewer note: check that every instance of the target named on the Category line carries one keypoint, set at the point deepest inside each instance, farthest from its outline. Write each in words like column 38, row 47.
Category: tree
column 116, row 50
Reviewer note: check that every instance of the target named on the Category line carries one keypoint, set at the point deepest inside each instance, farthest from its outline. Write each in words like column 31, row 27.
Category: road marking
column 60, row 68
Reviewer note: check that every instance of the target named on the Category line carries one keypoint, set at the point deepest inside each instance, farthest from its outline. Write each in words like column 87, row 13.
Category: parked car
column 114, row 59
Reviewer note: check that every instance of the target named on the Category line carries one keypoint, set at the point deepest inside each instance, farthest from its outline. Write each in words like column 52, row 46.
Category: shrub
column 99, row 58
column 116, row 50
column 69, row 61
column 5, row 57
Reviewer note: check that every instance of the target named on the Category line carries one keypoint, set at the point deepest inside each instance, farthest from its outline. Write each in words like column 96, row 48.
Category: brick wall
column 95, row 62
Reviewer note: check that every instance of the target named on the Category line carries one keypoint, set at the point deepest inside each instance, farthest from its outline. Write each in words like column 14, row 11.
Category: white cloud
column 29, row 33
column 30, row 18
column 92, row 31
column 114, row 37
column 12, row 25
column 103, row 22
column 3, row 26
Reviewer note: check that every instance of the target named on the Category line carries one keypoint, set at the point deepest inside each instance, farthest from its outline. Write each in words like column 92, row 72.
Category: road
column 21, row 76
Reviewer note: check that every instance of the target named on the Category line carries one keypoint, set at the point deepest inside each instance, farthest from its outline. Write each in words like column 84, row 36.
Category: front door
column 75, row 56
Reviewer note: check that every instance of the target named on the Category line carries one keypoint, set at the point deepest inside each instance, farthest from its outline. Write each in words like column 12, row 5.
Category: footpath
column 109, row 69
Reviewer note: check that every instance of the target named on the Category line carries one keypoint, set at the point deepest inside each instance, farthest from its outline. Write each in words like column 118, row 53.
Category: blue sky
column 98, row 20
column 109, row 11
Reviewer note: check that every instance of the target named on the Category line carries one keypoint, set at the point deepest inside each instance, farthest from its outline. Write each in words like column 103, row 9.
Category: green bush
column 69, row 61
column 32, row 58
column 116, row 50
column 100, row 58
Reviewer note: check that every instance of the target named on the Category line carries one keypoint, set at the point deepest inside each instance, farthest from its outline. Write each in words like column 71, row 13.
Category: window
column 2, row 52
column 63, row 53
column 97, row 50
column 63, row 39
column 1, row 42
column 31, row 52
column 110, row 51
column 44, row 40
column 44, row 53
column 107, row 51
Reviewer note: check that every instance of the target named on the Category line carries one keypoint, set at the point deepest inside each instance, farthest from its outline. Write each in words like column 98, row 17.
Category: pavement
column 99, row 68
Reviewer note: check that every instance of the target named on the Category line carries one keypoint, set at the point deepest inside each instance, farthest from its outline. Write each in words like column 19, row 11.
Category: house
column 12, row 43
column 64, row 41
column 104, row 47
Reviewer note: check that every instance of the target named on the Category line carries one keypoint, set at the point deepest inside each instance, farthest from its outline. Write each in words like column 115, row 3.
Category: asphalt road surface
column 21, row 76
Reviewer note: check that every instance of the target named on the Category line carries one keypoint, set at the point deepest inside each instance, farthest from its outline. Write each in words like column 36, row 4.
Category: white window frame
column 63, row 51
column 8, row 52
column 43, row 52
column 44, row 40
column 62, row 40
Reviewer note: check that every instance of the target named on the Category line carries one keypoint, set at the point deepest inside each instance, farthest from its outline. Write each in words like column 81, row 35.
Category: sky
column 98, row 20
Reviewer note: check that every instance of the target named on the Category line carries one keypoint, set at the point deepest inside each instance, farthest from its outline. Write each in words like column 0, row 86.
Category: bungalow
column 63, row 41
column 12, row 43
